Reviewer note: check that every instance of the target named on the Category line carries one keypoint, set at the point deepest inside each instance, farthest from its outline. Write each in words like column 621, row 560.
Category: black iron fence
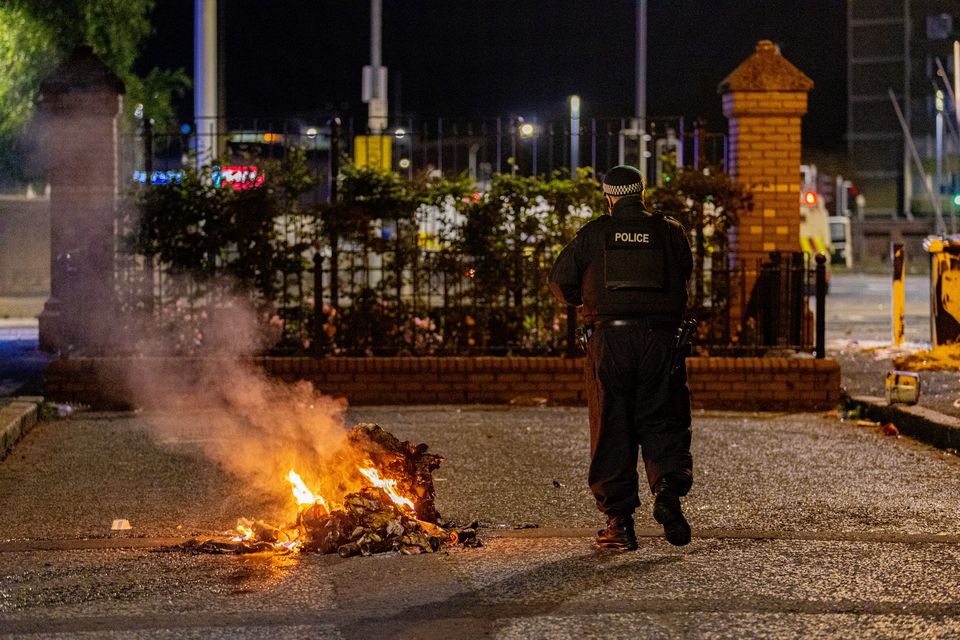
column 384, row 299
column 438, row 146
column 412, row 286
column 757, row 305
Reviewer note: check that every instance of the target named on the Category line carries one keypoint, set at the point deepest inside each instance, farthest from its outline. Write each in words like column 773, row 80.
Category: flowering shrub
column 419, row 337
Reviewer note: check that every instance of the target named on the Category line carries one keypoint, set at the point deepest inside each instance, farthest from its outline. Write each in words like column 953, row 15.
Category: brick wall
column 780, row 384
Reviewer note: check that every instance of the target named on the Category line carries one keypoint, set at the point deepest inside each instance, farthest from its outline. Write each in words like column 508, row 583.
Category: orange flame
column 243, row 533
column 387, row 486
column 304, row 496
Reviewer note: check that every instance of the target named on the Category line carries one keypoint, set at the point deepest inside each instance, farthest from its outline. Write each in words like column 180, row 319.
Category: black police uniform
column 629, row 271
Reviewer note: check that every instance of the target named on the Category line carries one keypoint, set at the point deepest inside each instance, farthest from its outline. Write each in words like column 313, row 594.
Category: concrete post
column 81, row 99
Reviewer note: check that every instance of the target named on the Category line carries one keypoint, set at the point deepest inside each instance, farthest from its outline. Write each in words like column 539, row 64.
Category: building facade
column 894, row 45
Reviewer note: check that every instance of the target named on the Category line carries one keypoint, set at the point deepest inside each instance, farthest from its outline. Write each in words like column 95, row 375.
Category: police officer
column 628, row 272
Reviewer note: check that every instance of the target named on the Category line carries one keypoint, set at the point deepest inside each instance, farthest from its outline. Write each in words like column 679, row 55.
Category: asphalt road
column 859, row 308
column 804, row 526
column 859, row 335
column 21, row 362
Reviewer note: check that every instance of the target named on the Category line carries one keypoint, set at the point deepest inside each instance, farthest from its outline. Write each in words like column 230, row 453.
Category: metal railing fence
column 438, row 146
column 393, row 297
column 398, row 288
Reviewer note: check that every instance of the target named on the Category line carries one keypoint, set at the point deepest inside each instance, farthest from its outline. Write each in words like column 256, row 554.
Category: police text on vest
column 625, row 236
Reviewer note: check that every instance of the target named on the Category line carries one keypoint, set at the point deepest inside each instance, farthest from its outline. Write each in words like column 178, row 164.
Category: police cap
column 623, row 180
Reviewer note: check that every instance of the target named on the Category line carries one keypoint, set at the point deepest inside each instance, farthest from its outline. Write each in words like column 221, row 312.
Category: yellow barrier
column 944, row 291
column 898, row 260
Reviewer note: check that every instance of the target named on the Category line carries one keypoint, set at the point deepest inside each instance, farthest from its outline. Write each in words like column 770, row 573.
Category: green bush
column 424, row 266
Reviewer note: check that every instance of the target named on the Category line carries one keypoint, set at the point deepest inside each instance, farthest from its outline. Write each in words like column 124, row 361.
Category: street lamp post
column 522, row 130
column 375, row 75
column 574, row 135
column 641, row 86
column 956, row 80
column 938, row 101
column 205, row 80
column 533, row 151
column 527, row 131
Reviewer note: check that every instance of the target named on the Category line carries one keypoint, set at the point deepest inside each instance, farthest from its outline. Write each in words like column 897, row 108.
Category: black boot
column 619, row 534
column 667, row 511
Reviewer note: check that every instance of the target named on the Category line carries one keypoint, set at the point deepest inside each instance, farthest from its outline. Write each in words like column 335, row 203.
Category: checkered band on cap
column 622, row 190
column 622, row 180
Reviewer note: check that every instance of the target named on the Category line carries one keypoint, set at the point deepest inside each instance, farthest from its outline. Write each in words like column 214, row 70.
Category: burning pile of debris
column 396, row 512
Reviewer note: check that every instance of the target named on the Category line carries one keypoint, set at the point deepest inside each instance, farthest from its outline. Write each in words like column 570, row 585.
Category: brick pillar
column 80, row 101
column 764, row 99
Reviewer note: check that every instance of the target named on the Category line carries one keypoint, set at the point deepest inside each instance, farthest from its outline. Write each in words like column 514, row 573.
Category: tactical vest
column 632, row 270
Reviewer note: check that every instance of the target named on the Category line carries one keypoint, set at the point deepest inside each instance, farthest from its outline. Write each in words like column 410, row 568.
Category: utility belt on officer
column 585, row 331
column 639, row 323
column 679, row 350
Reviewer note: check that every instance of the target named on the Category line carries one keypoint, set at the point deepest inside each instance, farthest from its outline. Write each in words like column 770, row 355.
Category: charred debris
column 369, row 520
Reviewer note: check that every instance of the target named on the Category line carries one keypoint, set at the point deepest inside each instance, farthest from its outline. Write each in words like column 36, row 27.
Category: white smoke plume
column 256, row 427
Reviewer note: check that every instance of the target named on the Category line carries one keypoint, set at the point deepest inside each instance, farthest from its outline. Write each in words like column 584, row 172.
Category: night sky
column 498, row 57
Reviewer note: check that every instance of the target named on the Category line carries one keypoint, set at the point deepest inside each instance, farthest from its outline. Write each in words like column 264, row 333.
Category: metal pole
column 377, row 100
column 205, row 78
column 907, row 93
column 621, row 149
column 533, row 150
column 574, row 135
column 939, row 152
column 696, row 145
column 641, row 77
column 472, row 159
column 951, row 95
column 798, row 301
column 821, row 292
column 149, row 272
column 956, row 80
column 376, row 27
column 956, row 113
column 410, row 149
column 840, row 198
column 499, row 146
column 334, row 240
column 316, row 348
column 683, row 138
column 941, row 227
column 954, row 127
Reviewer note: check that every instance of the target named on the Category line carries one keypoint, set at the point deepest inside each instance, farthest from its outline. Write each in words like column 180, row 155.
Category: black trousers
column 635, row 407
